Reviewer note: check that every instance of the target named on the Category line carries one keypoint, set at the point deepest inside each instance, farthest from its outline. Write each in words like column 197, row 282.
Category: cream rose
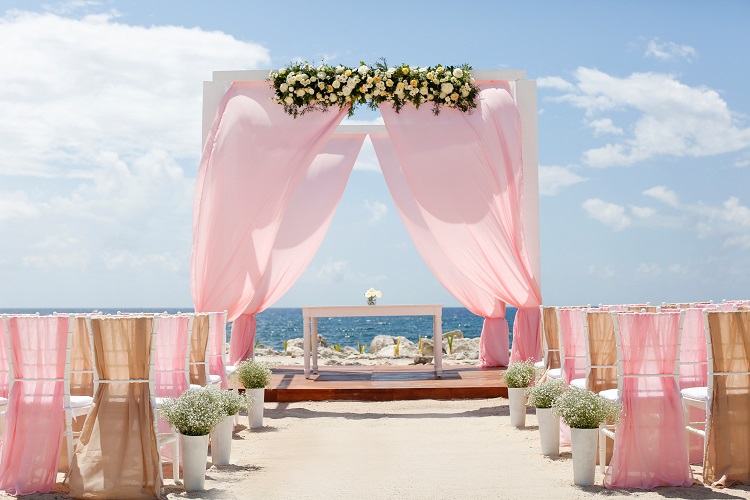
column 458, row 73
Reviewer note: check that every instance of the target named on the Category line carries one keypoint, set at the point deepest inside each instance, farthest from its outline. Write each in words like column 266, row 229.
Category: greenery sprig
column 303, row 87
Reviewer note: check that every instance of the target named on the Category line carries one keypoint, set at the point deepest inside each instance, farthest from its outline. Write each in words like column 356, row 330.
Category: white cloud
column 554, row 82
column 664, row 195
column 642, row 212
column 650, row 269
column 607, row 213
column 57, row 260
column 554, row 178
column 604, row 126
column 666, row 51
column 605, row 272
column 15, row 205
column 377, row 210
column 334, row 271
column 127, row 260
column 673, row 119
column 742, row 163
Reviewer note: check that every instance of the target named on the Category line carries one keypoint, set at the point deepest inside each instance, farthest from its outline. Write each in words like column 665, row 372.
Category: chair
column 123, row 424
column 727, row 430
column 572, row 347
column 4, row 380
column 40, row 409
column 550, row 342
column 650, row 449
column 601, row 351
column 200, row 369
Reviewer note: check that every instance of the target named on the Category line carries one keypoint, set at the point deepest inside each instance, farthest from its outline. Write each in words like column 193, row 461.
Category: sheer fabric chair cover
column 4, row 364
column 551, row 337
column 81, row 359
column 35, row 417
column 216, row 342
column 117, row 455
column 198, row 349
column 650, row 448
column 727, row 458
column 170, row 367
column 694, row 372
column 602, row 349
column 573, row 344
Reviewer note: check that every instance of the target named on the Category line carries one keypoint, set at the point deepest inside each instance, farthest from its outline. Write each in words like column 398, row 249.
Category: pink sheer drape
column 34, row 420
column 4, row 365
column 573, row 344
column 217, row 337
column 465, row 175
column 492, row 352
column 170, row 370
column 253, row 160
column 650, row 448
column 301, row 231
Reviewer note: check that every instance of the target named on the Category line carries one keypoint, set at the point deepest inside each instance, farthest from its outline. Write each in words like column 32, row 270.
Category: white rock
column 379, row 342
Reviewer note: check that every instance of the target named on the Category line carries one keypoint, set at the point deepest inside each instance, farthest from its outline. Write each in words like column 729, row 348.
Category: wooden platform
column 385, row 383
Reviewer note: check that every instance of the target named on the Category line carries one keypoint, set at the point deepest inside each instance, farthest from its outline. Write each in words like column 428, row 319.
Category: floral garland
column 302, row 87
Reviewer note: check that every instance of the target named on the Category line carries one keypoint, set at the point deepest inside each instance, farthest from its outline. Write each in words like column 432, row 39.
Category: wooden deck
column 385, row 383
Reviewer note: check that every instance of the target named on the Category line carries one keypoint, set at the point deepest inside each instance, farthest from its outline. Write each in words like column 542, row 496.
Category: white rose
column 310, row 90
column 300, row 77
column 471, row 80
column 346, row 91
column 336, row 84
column 442, row 95
column 465, row 93
column 423, row 91
column 321, row 85
column 290, row 79
column 351, row 82
column 363, row 70
column 446, row 88
column 333, row 97
column 339, row 70
column 458, row 73
column 283, row 87
column 300, row 92
column 288, row 99
column 430, row 97
column 282, row 71
column 312, row 79
column 321, row 75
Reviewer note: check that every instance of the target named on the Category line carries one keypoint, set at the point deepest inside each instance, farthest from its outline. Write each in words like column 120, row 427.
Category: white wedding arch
column 501, row 260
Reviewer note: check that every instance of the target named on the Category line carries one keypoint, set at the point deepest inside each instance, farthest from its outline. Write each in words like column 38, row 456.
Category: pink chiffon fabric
column 573, row 344
column 464, row 173
column 217, row 337
column 33, row 433
column 170, row 371
column 301, row 231
column 4, row 365
column 650, row 448
column 254, row 158
column 494, row 342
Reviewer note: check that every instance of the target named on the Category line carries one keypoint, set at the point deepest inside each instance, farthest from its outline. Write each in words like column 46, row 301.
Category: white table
column 310, row 317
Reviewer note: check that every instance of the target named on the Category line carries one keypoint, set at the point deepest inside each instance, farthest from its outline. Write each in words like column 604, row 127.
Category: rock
column 322, row 342
column 332, row 362
column 457, row 334
column 294, row 351
column 385, row 352
column 379, row 342
column 422, row 360
column 352, row 363
column 349, row 351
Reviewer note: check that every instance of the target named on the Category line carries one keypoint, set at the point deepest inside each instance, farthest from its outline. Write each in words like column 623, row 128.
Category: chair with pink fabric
column 4, row 380
column 40, row 411
column 572, row 346
column 650, row 449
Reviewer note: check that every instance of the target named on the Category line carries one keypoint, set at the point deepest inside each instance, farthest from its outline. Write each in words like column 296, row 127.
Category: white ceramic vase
column 517, row 404
column 194, row 453
column 221, row 441
column 583, row 444
column 255, row 409
column 549, row 431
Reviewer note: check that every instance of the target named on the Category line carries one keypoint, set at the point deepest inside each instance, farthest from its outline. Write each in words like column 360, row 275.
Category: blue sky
column 644, row 143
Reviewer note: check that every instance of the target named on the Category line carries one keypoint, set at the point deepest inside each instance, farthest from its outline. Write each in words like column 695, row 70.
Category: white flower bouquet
column 372, row 295
column 582, row 409
column 519, row 374
column 231, row 402
column 253, row 374
column 302, row 87
column 544, row 394
column 195, row 412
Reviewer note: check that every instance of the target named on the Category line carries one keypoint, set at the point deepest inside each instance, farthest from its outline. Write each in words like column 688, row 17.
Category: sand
column 461, row 449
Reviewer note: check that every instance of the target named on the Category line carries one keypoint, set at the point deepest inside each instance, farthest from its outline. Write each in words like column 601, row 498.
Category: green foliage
column 397, row 348
column 519, row 374
column 195, row 412
column 361, row 348
column 544, row 394
column 451, row 335
column 419, row 346
column 337, row 347
column 253, row 374
column 302, row 87
column 285, row 343
column 582, row 409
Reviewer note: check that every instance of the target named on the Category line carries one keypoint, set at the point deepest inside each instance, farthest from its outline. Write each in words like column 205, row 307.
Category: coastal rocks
column 423, row 360
column 299, row 342
column 384, row 346
column 457, row 334
column 379, row 342
column 467, row 347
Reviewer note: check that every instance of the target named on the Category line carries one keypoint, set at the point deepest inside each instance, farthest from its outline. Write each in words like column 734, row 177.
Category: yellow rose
column 405, row 70
column 414, row 83
column 348, row 72
column 376, row 79
column 454, row 96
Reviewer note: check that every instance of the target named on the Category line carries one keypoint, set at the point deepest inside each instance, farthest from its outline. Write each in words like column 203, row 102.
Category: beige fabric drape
column 551, row 337
column 81, row 384
column 727, row 459
column 603, row 352
column 117, row 455
column 198, row 345
column 648, row 309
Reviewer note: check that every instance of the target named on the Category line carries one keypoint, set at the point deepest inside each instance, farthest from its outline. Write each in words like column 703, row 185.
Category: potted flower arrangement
column 518, row 376
column 221, row 436
column 372, row 296
column 194, row 414
column 254, row 377
column 584, row 411
column 542, row 396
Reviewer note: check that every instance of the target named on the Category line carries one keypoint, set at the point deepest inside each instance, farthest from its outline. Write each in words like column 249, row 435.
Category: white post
column 314, row 337
column 306, row 341
column 437, row 340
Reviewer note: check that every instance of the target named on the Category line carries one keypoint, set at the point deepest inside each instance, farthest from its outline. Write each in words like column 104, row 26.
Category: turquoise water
column 278, row 324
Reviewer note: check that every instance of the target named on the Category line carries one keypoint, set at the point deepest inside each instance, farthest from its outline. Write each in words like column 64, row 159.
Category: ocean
column 275, row 325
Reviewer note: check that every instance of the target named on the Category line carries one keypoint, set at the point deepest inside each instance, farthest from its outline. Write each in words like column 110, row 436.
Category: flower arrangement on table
column 372, row 296
column 302, row 87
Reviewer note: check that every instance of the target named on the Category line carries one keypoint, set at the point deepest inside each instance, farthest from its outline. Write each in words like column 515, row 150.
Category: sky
column 644, row 143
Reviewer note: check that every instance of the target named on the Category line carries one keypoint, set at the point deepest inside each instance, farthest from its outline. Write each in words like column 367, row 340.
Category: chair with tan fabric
column 601, row 351
column 200, row 368
column 550, row 333
column 727, row 460
column 118, row 452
